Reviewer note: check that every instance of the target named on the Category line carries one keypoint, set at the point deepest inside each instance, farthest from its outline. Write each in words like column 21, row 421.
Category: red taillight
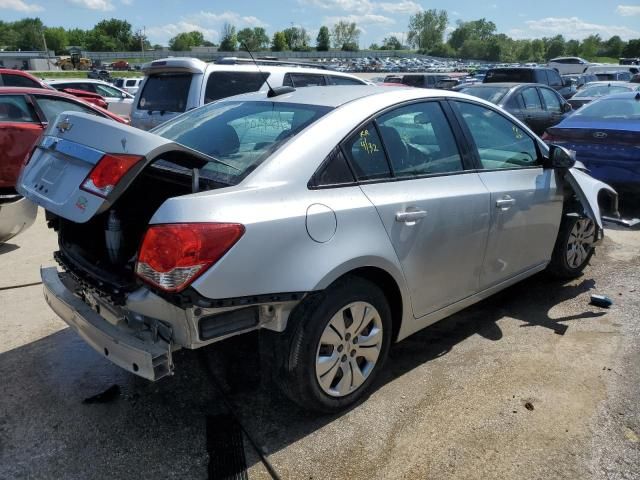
column 174, row 255
column 108, row 172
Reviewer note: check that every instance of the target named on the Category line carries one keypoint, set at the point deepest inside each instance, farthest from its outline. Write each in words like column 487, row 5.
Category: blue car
column 605, row 134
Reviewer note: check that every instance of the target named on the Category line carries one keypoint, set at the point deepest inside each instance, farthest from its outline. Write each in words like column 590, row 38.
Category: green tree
column 139, row 41
column 229, row 41
column 56, row 38
column 279, row 42
column 346, row 35
column 613, row 47
column 555, row 47
column 28, row 34
column 323, row 40
column 119, row 31
column 8, row 36
column 572, row 48
column 426, row 29
column 184, row 41
column 254, row 38
column 391, row 43
column 632, row 48
column 297, row 38
column 590, row 46
column 76, row 37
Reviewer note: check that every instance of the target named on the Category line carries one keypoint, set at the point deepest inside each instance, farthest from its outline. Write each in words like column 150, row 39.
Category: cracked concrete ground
column 451, row 402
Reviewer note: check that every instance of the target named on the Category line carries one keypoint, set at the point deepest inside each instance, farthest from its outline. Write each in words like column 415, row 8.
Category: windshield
column 491, row 94
column 165, row 92
column 602, row 90
column 625, row 109
column 240, row 134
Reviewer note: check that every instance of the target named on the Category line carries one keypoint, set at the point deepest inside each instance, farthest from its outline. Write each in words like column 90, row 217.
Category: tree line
column 475, row 39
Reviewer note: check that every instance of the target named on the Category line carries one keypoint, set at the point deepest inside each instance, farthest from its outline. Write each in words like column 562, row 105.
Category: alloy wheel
column 580, row 242
column 349, row 349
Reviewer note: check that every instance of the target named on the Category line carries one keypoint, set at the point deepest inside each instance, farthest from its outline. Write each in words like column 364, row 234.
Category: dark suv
column 546, row 76
column 420, row 80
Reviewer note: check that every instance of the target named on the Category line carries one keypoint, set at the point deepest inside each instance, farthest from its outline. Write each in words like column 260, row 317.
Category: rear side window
column 554, row 78
column 15, row 109
column 334, row 80
column 18, row 81
column 367, row 155
column 227, row 84
column 500, row 143
column 413, row 80
column 53, row 106
column 419, row 141
column 551, row 100
column 166, row 92
column 531, row 99
column 298, row 80
column 85, row 87
column 334, row 171
column 130, row 83
column 107, row 91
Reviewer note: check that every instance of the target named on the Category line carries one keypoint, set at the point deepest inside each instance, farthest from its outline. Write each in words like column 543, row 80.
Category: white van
column 602, row 68
column 569, row 65
column 172, row 86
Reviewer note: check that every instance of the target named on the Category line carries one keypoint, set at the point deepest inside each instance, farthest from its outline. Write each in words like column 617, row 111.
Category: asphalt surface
column 533, row 383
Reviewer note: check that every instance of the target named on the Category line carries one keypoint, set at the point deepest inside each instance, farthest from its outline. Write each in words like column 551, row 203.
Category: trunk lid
column 70, row 148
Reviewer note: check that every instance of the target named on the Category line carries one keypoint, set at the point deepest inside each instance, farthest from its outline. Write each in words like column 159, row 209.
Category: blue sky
column 163, row 19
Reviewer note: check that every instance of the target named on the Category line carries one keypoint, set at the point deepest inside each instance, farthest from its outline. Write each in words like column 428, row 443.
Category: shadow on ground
column 150, row 430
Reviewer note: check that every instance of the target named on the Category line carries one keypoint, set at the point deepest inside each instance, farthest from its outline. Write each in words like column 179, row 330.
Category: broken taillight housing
column 109, row 170
column 172, row 256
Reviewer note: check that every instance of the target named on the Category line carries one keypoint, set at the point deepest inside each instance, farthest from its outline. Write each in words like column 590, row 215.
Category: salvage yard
column 533, row 383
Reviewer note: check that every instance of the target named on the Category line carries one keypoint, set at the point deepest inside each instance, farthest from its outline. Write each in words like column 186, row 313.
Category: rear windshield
column 601, row 90
column 620, row 109
column 508, row 75
column 240, row 134
column 166, row 92
column 491, row 94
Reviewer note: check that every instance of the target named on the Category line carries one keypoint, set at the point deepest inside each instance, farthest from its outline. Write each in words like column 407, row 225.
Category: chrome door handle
column 410, row 216
column 505, row 202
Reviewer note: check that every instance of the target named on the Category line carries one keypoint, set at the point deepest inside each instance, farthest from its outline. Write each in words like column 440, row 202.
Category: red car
column 24, row 114
column 18, row 78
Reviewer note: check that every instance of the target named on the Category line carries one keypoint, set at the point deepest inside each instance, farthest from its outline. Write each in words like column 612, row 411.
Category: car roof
column 610, row 82
column 335, row 96
column 76, row 80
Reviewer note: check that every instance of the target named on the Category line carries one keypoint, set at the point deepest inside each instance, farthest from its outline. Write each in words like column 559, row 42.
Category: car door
column 119, row 102
column 20, row 127
column 435, row 212
column 526, row 204
column 553, row 106
column 533, row 113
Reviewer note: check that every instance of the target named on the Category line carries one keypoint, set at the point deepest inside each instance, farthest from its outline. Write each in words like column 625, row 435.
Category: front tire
column 334, row 346
column 574, row 247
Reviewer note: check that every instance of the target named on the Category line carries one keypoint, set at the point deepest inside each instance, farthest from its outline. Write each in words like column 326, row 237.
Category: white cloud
column 104, row 5
column 162, row 33
column 402, row 6
column 211, row 18
column 366, row 19
column 356, row 6
column 455, row 13
column 20, row 6
column 570, row 27
column 628, row 10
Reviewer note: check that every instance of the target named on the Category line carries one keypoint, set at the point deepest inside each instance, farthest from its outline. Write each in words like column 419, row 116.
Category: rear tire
column 574, row 247
column 334, row 346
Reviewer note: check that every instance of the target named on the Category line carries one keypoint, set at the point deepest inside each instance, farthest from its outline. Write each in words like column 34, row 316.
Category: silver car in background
column 335, row 220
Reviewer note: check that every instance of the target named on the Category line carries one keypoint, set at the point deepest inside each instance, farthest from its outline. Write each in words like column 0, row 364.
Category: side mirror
column 566, row 107
column 560, row 157
column 123, row 95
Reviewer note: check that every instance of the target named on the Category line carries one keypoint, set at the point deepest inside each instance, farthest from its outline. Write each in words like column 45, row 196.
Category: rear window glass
column 167, row 92
column 619, row 109
column 299, row 80
column 18, row 81
column 344, row 81
column 240, row 134
column 601, row 90
column 54, row 106
column 509, row 75
column 491, row 94
column 227, row 84
column 413, row 80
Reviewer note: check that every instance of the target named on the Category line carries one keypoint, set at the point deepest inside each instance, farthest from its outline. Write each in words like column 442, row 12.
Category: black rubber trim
column 218, row 325
column 190, row 298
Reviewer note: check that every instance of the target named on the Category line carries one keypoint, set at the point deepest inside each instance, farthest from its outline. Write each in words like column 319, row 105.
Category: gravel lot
column 532, row 383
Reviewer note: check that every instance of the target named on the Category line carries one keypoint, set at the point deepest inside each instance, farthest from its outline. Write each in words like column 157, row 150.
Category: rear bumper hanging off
column 150, row 360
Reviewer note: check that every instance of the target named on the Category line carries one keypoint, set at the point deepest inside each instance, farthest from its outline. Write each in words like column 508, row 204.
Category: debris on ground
column 109, row 395
column 529, row 406
column 601, row 301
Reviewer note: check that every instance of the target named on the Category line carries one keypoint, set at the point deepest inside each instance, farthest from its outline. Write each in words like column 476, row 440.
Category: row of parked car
column 333, row 215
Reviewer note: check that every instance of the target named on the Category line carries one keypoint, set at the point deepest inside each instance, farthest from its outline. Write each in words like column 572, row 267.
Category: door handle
column 410, row 216
column 505, row 202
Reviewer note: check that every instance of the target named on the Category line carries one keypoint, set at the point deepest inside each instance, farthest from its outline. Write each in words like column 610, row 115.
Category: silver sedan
column 336, row 220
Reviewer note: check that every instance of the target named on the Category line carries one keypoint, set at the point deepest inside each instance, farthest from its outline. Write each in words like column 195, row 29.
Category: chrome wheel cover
column 349, row 349
column 580, row 242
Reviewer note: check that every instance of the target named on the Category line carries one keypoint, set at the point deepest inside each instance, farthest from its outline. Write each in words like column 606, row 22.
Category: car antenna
column 273, row 92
